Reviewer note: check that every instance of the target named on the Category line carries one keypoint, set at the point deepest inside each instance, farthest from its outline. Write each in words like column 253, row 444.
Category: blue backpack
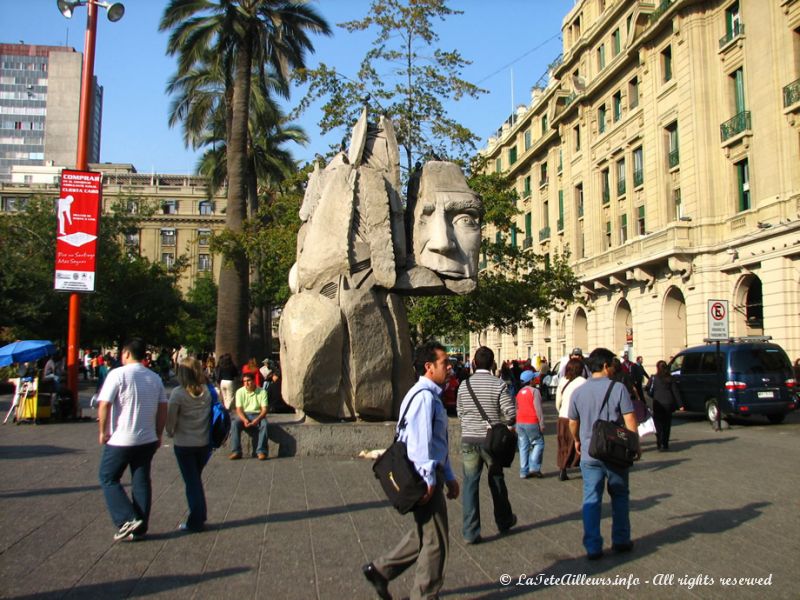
column 220, row 424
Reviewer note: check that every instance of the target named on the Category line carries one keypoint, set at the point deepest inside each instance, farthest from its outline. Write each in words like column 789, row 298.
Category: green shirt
column 251, row 402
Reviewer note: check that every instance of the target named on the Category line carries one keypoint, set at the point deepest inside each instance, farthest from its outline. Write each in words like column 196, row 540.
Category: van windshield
column 754, row 361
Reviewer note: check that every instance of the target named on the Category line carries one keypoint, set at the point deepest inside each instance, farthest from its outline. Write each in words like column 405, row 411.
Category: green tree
column 246, row 35
column 517, row 285
column 405, row 75
column 196, row 327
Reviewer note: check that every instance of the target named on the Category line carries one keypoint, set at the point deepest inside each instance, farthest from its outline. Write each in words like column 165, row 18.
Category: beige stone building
column 664, row 153
column 184, row 216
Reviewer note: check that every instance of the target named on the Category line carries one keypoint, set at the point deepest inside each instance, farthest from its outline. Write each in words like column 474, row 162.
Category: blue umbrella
column 25, row 351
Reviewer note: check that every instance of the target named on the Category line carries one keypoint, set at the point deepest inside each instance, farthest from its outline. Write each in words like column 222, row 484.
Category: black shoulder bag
column 500, row 441
column 401, row 482
column 613, row 443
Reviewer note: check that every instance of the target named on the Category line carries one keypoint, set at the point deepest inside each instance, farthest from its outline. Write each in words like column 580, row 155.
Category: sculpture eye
column 466, row 220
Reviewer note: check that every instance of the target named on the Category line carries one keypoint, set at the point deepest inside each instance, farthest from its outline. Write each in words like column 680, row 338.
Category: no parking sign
column 718, row 320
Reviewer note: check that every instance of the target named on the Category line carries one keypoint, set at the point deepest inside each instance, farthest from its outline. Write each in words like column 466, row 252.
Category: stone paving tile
column 720, row 504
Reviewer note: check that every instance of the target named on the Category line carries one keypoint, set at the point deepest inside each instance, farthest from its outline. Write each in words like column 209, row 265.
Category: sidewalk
column 718, row 505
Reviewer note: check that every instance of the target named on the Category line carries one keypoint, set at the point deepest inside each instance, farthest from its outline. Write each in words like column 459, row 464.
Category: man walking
column 584, row 410
column 492, row 394
column 251, row 412
column 425, row 435
column 132, row 411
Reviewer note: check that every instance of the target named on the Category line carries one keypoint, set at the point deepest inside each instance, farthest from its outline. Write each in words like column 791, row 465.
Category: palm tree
column 244, row 35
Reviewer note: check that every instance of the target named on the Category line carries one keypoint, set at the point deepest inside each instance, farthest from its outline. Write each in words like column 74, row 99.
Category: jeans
column 191, row 460
column 594, row 476
column 113, row 462
column 237, row 427
column 473, row 457
column 531, row 447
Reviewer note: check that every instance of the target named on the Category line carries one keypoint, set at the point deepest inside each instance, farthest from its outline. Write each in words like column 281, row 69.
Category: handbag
column 500, row 441
column 647, row 427
column 613, row 443
column 398, row 476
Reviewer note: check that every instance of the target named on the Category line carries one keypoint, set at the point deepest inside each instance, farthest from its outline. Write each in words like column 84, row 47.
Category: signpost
column 718, row 330
column 76, row 242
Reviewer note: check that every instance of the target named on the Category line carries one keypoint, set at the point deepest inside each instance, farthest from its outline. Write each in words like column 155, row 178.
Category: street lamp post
column 115, row 13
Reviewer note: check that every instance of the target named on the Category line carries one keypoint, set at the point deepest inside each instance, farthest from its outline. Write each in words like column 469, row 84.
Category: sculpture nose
column 440, row 240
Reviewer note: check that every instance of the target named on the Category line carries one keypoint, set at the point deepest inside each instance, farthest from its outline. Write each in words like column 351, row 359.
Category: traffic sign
column 718, row 320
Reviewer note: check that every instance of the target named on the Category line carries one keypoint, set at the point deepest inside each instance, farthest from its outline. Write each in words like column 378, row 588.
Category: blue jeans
column 191, row 460
column 531, row 447
column 237, row 427
column 113, row 462
column 594, row 476
column 474, row 456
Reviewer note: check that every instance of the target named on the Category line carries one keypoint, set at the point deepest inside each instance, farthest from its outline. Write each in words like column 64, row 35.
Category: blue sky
column 498, row 36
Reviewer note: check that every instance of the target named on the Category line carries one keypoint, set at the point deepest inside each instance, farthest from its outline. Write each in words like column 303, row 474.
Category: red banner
column 76, row 241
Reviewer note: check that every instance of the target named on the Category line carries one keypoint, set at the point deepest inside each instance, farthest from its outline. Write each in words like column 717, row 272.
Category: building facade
column 39, row 107
column 664, row 155
column 181, row 226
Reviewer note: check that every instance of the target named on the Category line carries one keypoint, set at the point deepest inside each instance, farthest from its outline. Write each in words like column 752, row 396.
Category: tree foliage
column 405, row 76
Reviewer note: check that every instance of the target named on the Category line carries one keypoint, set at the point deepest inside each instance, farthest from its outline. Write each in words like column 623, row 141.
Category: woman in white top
column 188, row 422
column 572, row 380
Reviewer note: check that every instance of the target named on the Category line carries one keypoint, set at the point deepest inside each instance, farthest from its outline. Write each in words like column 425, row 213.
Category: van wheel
column 711, row 410
column 775, row 419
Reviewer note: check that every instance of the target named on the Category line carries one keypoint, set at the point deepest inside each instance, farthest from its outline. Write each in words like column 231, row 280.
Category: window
column 616, row 45
column 528, row 226
column 513, row 236
column 640, row 224
column 133, row 206
column 560, row 160
column 512, row 155
column 168, row 259
column 132, row 240
column 601, row 57
column 616, row 102
column 579, row 200
column 676, row 200
column 203, row 262
column 206, row 208
column 666, row 64
column 543, row 174
column 203, row 237
column 743, row 184
column 638, row 167
column 526, row 187
column 601, row 118
column 733, row 23
column 546, row 214
column 527, row 139
column 673, row 156
column 620, row 177
column 623, row 229
column 576, row 137
column 560, row 210
column 167, row 237
column 498, row 166
column 169, row 207
column 633, row 93
column 544, row 124
column 608, row 235
column 737, row 78
column 605, row 185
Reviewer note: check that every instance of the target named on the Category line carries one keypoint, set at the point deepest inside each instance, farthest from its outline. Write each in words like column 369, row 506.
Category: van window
column 691, row 363
column 676, row 364
column 754, row 361
column 709, row 362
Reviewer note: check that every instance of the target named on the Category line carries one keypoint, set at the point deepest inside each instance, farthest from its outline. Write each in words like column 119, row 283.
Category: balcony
column 527, row 243
column 736, row 31
column 674, row 159
column 735, row 126
column 791, row 94
column 662, row 8
column 544, row 234
column 560, row 224
column 638, row 177
column 621, row 187
column 543, row 182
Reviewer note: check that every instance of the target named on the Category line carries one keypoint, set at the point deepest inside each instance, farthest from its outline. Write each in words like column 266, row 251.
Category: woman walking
column 530, row 427
column 572, row 380
column 188, row 421
column 666, row 399
column 227, row 372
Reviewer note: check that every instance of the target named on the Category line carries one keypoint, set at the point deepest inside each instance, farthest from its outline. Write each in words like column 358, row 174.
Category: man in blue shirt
column 425, row 436
column 584, row 410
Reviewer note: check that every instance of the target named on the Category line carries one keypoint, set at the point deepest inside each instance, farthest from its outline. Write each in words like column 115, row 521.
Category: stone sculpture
column 345, row 345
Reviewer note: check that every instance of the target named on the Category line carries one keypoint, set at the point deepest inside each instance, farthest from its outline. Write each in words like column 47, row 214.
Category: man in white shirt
column 132, row 412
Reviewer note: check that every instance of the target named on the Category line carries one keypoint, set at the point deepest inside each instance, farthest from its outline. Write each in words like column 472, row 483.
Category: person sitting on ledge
column 251, row 412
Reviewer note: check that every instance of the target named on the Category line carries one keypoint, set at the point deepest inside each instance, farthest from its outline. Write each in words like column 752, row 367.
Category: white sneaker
column 128, row 528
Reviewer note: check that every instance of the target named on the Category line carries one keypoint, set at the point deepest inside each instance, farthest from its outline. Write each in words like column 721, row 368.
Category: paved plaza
column 718, row 505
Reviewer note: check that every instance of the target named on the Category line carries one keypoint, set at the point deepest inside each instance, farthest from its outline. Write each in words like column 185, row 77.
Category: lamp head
column 65, row 7
column 115, row 11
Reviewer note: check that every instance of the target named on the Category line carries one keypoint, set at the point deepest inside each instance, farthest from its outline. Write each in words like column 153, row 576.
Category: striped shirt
column 493, row 395
column 134, row 392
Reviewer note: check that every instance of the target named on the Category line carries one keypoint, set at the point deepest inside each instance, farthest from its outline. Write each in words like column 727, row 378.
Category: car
column 754, row 377
column 551, row 380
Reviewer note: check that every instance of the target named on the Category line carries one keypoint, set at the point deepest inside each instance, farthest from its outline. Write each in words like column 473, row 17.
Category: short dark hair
column 136, row 347
column 599, row 358
column 484, row 358
column 248, row 376
column 424, row 354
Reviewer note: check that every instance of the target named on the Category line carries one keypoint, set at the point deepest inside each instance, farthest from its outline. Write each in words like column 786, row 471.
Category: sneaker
column 595, row 555
column 127, row 528
column 537, row 474
column 626, row 547
column 262, row 456
column 133, row 537
column 235, row 455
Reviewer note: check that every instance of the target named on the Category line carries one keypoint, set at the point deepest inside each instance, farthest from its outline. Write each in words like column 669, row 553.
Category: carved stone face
column 447, row 223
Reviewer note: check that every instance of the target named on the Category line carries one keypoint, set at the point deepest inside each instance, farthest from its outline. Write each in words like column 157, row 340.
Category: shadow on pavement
column 48, row 491
column 130, row 587
column 15, row 452
column 709, row 522
column 302, row 514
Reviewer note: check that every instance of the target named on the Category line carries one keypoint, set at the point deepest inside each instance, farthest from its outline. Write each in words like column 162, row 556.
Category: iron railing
column 736, row 31
column 735, row 125
column 791, row 93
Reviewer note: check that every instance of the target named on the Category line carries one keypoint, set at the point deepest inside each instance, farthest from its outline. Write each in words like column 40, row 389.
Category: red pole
column 81, row 164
